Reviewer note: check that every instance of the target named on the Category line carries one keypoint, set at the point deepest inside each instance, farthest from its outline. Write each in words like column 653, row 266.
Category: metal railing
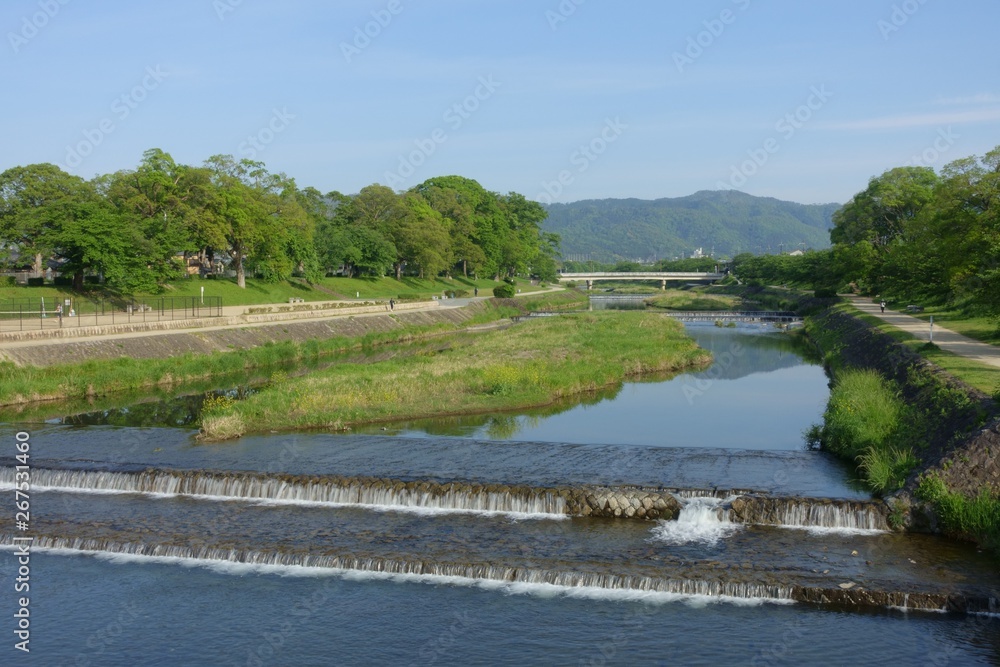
column 32, row 313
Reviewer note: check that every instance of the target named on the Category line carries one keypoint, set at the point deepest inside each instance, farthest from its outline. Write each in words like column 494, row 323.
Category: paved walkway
column 943, row 338
column 232, row 317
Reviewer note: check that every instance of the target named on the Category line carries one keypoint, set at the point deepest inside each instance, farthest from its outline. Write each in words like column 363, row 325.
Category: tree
column 35, row 201
column 423, row 237
column 99, row 239
column 881, row 213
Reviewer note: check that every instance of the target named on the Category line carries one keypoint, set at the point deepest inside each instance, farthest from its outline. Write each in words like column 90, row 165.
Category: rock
column 847, row 585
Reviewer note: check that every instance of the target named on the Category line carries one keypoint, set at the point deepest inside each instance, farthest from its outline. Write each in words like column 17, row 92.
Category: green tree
column 35, row 201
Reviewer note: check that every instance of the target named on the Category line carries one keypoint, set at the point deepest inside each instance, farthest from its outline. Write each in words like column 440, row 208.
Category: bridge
column 663, row 276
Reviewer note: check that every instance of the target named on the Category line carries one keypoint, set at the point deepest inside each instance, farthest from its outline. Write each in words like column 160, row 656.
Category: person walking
column 59, row 313
column 475, row 291
column 882, row 305
column 392, row 304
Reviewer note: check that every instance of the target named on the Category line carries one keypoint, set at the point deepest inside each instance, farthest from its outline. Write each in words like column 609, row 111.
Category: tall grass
column 533, row 364
column 976, row 519
column 21, row 385
column 691, row 300
column 864, row 422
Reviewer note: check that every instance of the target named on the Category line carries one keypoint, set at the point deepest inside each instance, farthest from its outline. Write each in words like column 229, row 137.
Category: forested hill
column 727, row 221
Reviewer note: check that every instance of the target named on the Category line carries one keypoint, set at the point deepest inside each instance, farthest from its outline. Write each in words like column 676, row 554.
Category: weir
column 480, row 574
column 738, row 506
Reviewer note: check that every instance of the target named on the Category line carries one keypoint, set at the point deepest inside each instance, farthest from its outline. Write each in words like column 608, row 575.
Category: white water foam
column 827, row 530
column 701, row 519
column 266, row 491
column 511, row 581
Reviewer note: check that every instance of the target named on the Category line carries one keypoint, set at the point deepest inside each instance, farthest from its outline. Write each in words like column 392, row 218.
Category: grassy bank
column 692, row 300
column 973, row 373
column 260, row 292
column 975, row 519
column 533, row 364
column 20, row 385
column 866, row 422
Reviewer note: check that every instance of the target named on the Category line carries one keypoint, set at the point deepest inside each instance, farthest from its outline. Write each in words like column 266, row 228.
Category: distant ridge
column 728, row 221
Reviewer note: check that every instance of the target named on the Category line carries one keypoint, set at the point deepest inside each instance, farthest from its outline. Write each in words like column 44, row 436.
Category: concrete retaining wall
column 272, row 328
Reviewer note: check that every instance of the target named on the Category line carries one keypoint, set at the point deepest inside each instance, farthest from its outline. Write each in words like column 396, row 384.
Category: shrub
column 8, row 281
column 504, row 291
column 36, row 282
column 825, row 293
column 62, row 281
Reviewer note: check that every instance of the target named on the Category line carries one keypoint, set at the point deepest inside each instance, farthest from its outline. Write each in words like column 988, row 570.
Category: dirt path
column 944, row 338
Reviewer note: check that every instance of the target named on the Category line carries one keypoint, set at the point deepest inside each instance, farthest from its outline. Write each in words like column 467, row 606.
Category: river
column 451, row 542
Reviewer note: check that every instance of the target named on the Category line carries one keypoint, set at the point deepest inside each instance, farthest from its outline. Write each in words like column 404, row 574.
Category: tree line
column 913, row 234
column 137, row 228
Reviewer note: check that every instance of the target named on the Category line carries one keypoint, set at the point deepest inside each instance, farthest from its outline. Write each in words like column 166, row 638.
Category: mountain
column 724, row 222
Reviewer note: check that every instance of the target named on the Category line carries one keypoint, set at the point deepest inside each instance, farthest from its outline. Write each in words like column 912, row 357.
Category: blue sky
column 559, row 100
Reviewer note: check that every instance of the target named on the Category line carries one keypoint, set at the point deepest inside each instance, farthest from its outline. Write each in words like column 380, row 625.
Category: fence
column 31, row 313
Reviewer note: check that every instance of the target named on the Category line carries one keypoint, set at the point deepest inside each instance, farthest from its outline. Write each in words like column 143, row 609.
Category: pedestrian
column 59, row 313
column 392, row 304
column 882, row 306
column 475, row 291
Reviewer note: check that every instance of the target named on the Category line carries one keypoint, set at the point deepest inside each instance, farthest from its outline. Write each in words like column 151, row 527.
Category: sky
column 559, row 100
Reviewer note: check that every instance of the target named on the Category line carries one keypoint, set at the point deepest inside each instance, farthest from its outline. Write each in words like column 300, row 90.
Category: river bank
column 534, row 364
column 105, row 366
column 942, row 434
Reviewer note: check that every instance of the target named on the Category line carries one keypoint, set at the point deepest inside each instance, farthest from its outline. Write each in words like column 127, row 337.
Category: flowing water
column 673, row 521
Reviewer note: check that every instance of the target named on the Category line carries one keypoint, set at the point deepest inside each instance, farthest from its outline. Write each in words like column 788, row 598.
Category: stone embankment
column 229, row 333
column 963, row 446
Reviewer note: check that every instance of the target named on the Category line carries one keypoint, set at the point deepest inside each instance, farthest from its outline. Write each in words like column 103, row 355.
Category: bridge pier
column 663, row 285
column 590, row 284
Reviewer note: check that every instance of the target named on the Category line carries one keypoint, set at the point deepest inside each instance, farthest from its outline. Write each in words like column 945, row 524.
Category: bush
column 36, row 282
column 8, row 281
column 62, row 281
column 504, row 291
column 92, row 280
column 825, row 293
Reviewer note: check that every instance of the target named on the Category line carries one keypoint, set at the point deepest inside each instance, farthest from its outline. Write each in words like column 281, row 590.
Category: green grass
column 535, row 363
column 20, row 385
column 979, row 327
column 692, row 300
column 976, row 519
column 260, row 292
column 864, row 422
column 973, row 373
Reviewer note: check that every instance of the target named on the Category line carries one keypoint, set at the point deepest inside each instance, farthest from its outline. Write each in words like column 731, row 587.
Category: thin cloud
column 919, row 120
column 981, row 98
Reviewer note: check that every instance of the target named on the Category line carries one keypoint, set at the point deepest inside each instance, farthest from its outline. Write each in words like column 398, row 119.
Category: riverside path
column 944, row 338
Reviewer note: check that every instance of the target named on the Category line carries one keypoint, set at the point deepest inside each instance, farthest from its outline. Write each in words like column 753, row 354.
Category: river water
column 447, row 542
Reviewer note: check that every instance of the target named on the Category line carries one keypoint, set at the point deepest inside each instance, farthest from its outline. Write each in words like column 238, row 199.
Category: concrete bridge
column 663, row 276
